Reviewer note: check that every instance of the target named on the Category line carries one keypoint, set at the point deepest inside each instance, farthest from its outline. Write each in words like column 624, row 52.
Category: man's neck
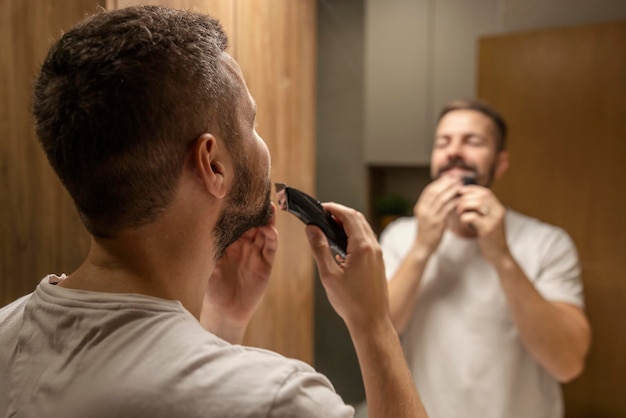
column 149, row 263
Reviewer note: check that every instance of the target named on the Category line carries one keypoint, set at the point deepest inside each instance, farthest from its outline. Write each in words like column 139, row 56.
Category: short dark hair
column 118, row 101
column 484, row 108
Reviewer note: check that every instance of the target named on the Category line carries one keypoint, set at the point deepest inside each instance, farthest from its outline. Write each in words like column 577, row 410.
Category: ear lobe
column 211, row 171
column 502, row 164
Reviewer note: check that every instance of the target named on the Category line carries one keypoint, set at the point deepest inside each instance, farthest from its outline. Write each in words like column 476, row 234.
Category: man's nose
column 454, row 150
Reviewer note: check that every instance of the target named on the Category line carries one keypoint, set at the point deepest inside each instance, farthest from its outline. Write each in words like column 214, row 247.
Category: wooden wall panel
column 40, row 230
column 274, row 43
column 223, row 10
column 562, row 92
column 276, row 48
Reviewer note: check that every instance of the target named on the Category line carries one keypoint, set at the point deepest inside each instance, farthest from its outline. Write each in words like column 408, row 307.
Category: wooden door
column 563, row 93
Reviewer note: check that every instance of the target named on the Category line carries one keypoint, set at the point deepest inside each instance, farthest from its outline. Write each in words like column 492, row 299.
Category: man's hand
column 239, row 281
column 479, row 209
column 357, row 289
column 432, row 209
column 355, row 286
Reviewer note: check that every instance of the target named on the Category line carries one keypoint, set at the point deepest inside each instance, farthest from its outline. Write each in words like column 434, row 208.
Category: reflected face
column 248, row 204
column 465, row 145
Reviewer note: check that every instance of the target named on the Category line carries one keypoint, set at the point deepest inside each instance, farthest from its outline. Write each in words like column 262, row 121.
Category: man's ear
column 502, row 164
column 208, row 158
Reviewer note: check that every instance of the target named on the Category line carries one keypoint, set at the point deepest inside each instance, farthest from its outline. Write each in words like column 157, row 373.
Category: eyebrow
column 465, row 135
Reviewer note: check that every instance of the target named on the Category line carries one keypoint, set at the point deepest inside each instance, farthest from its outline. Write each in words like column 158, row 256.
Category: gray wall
column 341, row 171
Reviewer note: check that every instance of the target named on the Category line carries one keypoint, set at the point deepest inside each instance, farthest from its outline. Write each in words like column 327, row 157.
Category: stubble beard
column 240, row 213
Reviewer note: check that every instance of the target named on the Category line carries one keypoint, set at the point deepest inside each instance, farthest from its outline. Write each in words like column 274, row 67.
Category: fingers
column 272, row 220
column 267, row 242
column 477, row 199
column 321, row 252
column 442, row 190
column 266, row 237
column 438, row 199
column 354, row 223
column 479, row 207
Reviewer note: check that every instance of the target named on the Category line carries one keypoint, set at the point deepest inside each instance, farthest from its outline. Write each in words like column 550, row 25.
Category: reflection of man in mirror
column 489, row 302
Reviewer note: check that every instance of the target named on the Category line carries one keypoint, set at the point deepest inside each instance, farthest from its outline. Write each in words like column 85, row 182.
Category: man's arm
column 357, row 290
column 556, row 334
column 432, row 209
column 404, row 286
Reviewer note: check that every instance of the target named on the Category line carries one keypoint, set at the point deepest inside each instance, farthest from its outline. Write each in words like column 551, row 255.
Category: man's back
column 87, row 354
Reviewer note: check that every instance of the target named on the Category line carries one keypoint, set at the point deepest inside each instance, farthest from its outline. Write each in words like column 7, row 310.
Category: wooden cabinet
column 396, row 80
column 562, row 92
column 418, row 55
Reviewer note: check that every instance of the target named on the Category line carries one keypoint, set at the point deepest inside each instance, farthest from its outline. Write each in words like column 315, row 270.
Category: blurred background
column 348, row 93
column 557, row 72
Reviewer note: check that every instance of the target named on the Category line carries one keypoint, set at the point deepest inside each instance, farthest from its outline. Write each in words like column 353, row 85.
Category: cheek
column 265, row 160
column 436, row 162
column 483, row 161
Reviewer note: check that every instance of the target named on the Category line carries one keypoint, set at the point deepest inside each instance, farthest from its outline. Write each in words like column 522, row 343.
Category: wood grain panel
column 274, row 43
column 40, row 230
column 562, row 92
column 276, row 50
column 223, row 10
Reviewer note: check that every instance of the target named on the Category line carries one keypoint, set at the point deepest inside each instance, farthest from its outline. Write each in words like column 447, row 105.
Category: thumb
column 321, row 251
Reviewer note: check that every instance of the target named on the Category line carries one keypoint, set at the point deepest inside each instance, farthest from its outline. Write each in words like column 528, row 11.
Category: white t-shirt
column 461, row 343
column 71, row 353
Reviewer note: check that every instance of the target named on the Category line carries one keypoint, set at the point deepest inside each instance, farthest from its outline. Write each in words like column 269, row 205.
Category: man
column 150, row 126
column 488, row 301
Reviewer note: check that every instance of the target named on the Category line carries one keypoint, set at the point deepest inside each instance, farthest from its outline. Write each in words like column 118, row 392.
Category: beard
column 458, row 162
column 240, row 213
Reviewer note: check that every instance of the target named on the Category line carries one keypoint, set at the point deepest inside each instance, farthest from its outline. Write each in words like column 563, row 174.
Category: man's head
column 470, row 140
column 121, row 100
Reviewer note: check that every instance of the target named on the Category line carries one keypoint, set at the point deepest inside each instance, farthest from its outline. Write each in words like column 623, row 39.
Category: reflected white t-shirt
column 461, row 343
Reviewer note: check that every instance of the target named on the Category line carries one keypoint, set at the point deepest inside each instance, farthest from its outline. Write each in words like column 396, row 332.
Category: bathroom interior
column 348, row 93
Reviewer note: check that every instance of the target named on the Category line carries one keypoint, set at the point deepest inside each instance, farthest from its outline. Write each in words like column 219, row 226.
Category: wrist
column 379, row 328
column 420, row 252
column 504, row 264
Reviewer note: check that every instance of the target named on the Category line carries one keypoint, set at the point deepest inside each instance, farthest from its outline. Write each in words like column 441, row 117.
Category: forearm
column 557, row 335
column 404, row 287
column 389, row 387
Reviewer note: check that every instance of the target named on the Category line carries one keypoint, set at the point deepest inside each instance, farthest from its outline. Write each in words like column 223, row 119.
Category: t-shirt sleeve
column 559, row 276
column 309, row 394
column 395, row 241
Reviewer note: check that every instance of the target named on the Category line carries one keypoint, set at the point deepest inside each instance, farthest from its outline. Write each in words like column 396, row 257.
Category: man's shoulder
column 525, row 232
column 11, row 313
column 400, row 226
column 519, row 223
column 236, row 380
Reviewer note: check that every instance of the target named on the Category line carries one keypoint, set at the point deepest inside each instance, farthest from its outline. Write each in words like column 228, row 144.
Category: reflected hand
column 432, row 209
column 479, row 209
